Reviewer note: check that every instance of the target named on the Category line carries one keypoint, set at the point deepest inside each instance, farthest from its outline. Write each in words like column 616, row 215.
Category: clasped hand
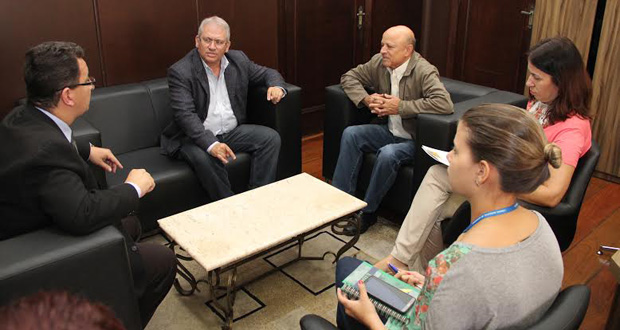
column 382, row 104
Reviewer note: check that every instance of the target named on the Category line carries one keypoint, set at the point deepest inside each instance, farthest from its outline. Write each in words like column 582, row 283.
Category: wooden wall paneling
column 253, row 25
column 492, row 40
column 606, row 95
column 571, row 18
column 26, row 23
column 460, row 20
column 320, row 47
column 364, row 47
column 438, row 34
column 142, row 38
column 387, row 13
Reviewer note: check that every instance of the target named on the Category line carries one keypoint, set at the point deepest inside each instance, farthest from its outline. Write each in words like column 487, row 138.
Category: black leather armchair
column 562, row 218
column 129, row 120
column 94, row 266
column 566, row 313
column 435, row 131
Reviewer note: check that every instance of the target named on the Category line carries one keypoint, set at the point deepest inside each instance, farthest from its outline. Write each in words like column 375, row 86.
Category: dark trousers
column 344, row 267
column 261, row 142
column 159, row 265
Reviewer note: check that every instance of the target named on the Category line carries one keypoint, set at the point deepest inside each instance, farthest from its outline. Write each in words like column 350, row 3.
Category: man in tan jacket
column 406, row 85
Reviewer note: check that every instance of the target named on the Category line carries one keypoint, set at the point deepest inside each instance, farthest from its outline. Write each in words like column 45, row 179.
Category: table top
column 228, row 230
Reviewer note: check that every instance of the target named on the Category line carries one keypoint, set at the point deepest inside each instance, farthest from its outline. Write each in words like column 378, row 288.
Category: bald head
column 402, row 32
column 397, row 46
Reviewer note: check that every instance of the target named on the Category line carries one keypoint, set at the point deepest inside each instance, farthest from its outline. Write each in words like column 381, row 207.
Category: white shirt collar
column 66, row 130
column 400, row 70
column 223, row 64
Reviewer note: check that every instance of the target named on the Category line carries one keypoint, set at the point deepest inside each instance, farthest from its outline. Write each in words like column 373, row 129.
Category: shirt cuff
column 211, row 146
column 283, row 90
column 138, row 190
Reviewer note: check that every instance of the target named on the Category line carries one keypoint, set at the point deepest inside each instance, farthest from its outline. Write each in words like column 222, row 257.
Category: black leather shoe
column 367, row 220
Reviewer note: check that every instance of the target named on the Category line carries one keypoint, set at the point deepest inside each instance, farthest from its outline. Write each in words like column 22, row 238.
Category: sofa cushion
column 124, row 115
column 176, row 187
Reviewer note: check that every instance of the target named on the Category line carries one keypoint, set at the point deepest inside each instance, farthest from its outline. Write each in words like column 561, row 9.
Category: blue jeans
column 391, row 152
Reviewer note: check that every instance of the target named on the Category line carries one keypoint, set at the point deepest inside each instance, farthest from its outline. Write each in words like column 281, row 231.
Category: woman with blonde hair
column 505, row 269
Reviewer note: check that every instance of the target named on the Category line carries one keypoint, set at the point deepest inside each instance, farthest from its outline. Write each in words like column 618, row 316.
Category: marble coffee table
column 223, row 235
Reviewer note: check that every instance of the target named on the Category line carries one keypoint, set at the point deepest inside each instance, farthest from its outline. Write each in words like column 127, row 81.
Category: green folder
column 396, row 320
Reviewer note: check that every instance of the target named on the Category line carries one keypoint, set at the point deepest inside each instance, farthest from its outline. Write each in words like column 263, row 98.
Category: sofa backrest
column 125, row 117
column 160, row 100
column 461, row 91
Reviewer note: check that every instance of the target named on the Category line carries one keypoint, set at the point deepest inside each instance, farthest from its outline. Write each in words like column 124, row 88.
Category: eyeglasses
column 90, row 81
column 218, row 42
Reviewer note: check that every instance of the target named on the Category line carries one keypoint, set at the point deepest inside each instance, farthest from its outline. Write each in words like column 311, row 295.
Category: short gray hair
column 217, row 21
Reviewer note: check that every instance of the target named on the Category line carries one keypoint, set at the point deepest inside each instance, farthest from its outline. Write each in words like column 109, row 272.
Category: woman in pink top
column 560, row 90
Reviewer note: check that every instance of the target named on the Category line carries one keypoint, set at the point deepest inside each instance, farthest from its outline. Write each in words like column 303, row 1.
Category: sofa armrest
column 285, row 118
column 94, row 266
column 83, row 132
column 340, row 113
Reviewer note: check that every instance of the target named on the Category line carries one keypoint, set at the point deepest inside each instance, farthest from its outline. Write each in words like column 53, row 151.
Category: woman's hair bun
column 553, row 155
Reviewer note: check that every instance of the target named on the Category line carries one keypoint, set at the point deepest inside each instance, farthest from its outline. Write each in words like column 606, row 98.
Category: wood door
column 317, row 46
column 323, row 39
column 492, row 41
column 388, row 13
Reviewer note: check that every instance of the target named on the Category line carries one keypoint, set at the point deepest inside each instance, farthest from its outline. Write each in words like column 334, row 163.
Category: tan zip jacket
column 420, row 88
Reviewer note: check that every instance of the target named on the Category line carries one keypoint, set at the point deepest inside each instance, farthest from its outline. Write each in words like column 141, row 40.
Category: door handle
column 530, row 20
column 360, row 17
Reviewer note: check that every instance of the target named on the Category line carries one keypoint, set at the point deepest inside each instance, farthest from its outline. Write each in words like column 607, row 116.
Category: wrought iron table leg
column 189, row 277
column 231, row 294
column 338, row 228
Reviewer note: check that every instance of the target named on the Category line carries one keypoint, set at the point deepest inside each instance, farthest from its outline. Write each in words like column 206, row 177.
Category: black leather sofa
column 129, row 120
column 94, row 266
column 435, row 131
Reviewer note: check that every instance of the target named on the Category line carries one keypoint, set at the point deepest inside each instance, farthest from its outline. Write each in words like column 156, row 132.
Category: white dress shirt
column 220, row 116
column 395, row 122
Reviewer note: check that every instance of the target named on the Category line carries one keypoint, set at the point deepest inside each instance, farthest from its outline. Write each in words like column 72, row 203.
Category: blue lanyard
column 492, row 214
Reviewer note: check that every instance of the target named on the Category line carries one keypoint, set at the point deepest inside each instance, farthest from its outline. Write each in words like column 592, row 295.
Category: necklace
column 492, row 214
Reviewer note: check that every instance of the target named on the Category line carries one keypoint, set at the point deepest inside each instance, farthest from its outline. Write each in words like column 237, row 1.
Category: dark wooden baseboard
column 606, row 176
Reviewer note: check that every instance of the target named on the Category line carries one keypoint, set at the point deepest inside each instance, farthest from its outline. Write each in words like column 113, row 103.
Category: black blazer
column 45, row 181
column 189, row 96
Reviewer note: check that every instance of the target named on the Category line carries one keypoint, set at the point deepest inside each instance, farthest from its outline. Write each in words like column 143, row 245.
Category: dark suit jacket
column 45, row 181
column 189, row 96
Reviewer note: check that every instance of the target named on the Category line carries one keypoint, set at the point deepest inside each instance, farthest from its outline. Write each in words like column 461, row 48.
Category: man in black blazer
column 208, row 94
column 45, row 180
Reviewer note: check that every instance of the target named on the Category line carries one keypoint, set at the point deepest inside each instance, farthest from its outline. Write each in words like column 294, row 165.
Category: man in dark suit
column 208, row 94
column 45, row 180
